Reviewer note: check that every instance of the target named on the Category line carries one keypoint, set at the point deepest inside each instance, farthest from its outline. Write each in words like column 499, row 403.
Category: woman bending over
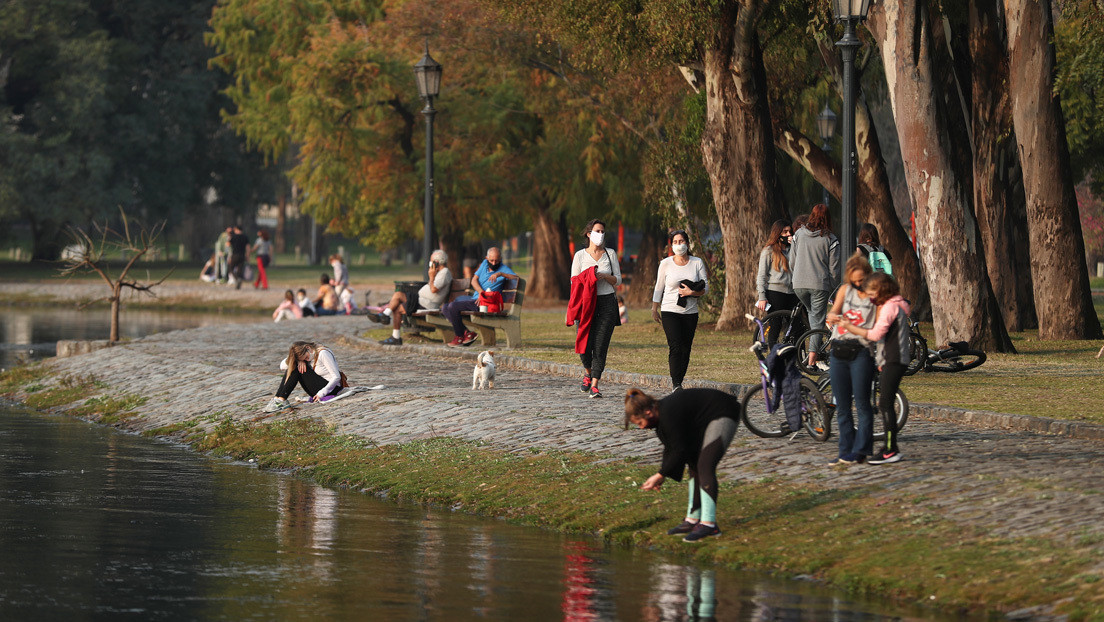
column 311, row 366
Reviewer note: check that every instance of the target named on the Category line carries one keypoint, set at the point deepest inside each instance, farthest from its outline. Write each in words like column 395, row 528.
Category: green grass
column 858, row 539
column 1058, row 379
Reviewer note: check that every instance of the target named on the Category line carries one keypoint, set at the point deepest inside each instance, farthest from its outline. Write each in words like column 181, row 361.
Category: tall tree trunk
column 116, row 294
column 738, row 152
column 994, row 154
column 280, row 237
column 452, row 242
column 947, row 232
column 551, row 275
column 1059, row 275
column 46, row 239
column 874, row 200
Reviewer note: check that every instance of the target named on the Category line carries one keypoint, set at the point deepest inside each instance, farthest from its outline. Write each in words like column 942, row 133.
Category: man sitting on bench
column 491, row 277
column 430, row 296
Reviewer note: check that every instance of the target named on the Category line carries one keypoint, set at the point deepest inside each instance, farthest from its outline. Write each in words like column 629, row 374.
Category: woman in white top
column 605, row 308
column 681, row 280
column 312, row 366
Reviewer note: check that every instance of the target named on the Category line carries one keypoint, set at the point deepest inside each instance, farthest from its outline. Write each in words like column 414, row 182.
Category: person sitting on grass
column 695, row 427
column 288, row 309
column 327, row 302
column 305, row 303
column 311, row 366
column 431, row 296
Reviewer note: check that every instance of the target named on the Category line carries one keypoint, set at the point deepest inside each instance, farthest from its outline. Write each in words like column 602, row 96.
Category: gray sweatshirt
column 769, row 278
column 815, row 260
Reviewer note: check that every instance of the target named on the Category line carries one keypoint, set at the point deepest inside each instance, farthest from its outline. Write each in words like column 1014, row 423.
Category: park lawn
column 1057, row 379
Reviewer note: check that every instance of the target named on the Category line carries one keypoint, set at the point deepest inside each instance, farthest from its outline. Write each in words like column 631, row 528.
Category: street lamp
column 849, row 12
column 427, row 73
column 826, row 126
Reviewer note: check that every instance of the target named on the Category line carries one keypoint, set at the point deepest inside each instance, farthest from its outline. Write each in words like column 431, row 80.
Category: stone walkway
column 1016, row 483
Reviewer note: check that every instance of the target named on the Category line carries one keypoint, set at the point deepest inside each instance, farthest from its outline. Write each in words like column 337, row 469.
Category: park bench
column 508, row 320
column 429, row 320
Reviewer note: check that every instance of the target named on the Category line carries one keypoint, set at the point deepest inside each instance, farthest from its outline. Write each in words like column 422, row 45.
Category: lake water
column 97, row 524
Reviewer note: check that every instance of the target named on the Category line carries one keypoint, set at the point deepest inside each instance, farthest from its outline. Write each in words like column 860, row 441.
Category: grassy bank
column 857, row 539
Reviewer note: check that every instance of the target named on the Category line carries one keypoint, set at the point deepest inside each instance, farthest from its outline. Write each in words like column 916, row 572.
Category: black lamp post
column 850, row 13
column 427, row 73
column 826, row 126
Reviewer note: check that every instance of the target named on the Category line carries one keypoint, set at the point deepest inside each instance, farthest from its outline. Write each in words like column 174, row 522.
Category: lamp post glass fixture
column 826, row 127
column 427, row 73
column 850, row 13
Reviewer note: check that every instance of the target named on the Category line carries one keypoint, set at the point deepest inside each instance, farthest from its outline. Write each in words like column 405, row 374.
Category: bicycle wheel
column 900, row 409
column 776, row 325
column 919, row 347
column 814, row 411
column 757, row 418
column 957, row 360
column 804, row 347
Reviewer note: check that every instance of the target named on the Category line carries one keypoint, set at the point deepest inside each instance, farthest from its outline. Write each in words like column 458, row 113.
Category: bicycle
column 764, row 417
column 957, row 356
column 900, row 404
column 783, row 326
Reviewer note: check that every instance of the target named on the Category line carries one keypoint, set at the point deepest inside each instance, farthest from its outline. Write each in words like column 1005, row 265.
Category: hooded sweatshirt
column 815, row 260
column 769, row 278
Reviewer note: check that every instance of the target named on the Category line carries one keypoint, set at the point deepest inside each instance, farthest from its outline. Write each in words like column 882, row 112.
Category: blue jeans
column 853, row 379
column 816, row 303
column 452, row 312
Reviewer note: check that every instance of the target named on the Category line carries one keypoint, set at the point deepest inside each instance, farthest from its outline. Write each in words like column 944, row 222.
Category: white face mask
column 680, row 249
column 597, row 237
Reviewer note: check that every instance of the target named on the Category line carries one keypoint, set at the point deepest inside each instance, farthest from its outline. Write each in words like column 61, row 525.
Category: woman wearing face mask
column 681, row 280
column 605, row 315
column 774, row 281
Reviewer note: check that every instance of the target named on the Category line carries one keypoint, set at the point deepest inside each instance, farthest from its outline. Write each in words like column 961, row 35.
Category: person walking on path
column 680, row 281
column 222, row 248
column 431, row 296
column 311, row 366
column 815, row 260
column 239, row 246
column 262, row 248
column 852, row 364
column 774, row 280
column 696, row 427
column 894, row 351
column 491, row 276
column 607, row 271
column 341, row 273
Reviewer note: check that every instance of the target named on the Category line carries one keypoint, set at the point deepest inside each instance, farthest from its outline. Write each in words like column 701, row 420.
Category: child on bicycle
column 891, row 332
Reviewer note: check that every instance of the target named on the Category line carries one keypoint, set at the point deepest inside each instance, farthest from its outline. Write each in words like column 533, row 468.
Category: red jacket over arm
column 580, row 306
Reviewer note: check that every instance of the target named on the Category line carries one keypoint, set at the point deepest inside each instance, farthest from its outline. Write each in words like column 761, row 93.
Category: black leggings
column 606, row 317
column 888, row 383
column 311, row 381
column 780, row 301
column 679, row 328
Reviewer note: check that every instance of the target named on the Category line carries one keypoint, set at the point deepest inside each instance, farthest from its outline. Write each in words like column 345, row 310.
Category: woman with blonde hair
column 311, row 366
column 852, row 363
column 696, row 427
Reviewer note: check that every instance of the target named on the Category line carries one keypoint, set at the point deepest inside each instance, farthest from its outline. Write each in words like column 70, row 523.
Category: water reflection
column 94, row 523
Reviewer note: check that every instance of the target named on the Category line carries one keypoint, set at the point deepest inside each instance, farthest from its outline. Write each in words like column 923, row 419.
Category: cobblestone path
column 1016, row 483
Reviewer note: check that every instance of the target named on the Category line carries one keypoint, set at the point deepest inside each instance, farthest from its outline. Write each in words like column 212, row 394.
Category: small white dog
column 484, row 373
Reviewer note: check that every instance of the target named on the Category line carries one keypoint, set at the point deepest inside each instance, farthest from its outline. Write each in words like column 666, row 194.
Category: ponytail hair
column 636, row 403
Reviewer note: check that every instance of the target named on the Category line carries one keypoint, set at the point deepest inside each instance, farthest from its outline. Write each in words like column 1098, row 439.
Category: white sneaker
column 822, row 366
column 277, row 403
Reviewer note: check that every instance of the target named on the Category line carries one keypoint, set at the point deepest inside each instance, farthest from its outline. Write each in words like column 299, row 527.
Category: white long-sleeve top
column 669, row 277
column 607, row 264
column 324, row 365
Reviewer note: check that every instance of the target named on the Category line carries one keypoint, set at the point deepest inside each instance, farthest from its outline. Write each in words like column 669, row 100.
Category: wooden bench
column 508, row 320
column 424, row 320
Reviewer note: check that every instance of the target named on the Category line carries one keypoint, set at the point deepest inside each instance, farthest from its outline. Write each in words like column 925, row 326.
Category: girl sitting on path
column 311, row 366
column 288, row 309
column 695, row 427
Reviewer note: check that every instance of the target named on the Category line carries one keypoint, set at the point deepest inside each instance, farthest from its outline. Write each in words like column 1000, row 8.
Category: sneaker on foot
column 884, row 457
column 842, row 460
column 594, row 392
column 381, row 318
column 700, row 531
column 682, row 528
column 468, row 338
column 277, row 404
column 392, row 341
column 456, row 342
column 822, row 366
column 586, row 384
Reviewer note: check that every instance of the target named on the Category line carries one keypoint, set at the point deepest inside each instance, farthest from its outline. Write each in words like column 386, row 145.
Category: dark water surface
column 95, row 523
column 32, row 333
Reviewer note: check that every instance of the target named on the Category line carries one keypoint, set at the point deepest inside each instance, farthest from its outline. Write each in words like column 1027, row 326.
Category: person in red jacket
column 607, row 272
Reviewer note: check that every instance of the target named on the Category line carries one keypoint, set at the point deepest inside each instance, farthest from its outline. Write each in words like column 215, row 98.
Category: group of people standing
column 232, row 250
